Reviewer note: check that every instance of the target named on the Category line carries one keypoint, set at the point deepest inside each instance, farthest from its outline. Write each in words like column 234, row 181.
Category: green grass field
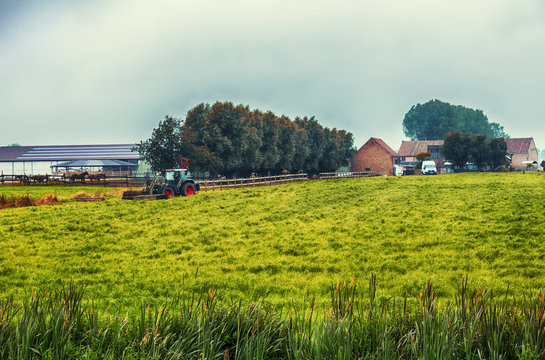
column 287, row 242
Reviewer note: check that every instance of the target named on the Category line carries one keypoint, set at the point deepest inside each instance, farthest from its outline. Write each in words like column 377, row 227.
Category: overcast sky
column 95, row 72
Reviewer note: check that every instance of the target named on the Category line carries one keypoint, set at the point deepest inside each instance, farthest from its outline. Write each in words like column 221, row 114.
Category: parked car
column 408, row 170
column 429, row 167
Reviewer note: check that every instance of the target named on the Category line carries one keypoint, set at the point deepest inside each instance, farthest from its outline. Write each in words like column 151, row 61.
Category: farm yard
column 285, row 242
column 195, row 277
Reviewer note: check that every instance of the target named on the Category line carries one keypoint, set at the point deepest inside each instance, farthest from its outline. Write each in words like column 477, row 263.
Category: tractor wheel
column 167, row 190
column 188, row 189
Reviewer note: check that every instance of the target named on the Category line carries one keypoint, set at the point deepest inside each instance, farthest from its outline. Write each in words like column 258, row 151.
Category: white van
column 429, row 167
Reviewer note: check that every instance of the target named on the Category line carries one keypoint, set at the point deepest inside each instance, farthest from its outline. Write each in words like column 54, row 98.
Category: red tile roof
column 518, row 145
column 380, row 142
column 411, row 148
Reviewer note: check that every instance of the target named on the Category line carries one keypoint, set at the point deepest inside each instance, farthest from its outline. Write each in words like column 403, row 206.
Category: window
column 435, row 151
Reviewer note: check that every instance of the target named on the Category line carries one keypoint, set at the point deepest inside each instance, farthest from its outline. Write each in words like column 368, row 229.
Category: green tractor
column 176, row 182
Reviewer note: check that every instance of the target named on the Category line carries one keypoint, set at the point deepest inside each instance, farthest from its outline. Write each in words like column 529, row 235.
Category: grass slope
column 289, row 241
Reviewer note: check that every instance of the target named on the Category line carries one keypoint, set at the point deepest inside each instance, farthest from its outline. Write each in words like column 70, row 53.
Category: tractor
column 175, row 182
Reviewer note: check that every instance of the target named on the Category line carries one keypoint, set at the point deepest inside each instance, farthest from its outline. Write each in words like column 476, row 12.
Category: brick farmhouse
column 375, row 155
column 521, row 149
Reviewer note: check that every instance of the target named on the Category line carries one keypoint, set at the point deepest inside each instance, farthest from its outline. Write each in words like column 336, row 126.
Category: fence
column 127, row 180
column 227, row 184
column 339, row 175
column 49, row 180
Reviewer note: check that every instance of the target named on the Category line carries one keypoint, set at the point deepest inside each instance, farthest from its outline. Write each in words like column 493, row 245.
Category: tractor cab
column 173, row 176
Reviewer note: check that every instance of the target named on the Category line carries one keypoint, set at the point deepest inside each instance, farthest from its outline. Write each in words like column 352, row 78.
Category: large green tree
column 498, row 150
column 479, row 150
column 233, row 141
column 435, row 119
column 316, row 143
column 163, row 148
column 197, row 140
column 456, row 148
column 462, row 148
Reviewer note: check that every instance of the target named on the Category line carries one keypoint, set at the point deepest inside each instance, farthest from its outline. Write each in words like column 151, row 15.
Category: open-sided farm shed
column 103, row 165
column 32, row 160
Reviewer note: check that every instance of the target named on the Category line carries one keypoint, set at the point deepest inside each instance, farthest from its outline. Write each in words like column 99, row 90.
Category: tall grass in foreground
column 474, row 325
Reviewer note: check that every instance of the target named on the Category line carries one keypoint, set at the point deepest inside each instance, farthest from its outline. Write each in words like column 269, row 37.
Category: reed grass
column 475, row 324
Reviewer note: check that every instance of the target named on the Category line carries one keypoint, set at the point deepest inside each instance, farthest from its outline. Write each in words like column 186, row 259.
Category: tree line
column 461, row 148
column 232, row 140
column 435, row 119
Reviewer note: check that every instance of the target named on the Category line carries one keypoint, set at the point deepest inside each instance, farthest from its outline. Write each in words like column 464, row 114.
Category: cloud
column 109, row 71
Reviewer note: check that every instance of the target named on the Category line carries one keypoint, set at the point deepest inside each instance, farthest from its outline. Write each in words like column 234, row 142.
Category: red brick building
column 375, row 155
column 521, row 149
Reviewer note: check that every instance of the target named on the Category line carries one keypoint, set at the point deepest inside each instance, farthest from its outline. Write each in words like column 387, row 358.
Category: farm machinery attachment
column 176, row 182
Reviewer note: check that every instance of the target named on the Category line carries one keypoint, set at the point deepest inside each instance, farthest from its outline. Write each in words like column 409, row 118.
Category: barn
column 409, row 149
column 521, row 150
column 41, row 160
column 375, row 155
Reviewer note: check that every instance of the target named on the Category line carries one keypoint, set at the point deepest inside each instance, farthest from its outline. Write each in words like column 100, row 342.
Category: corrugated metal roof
column 68, row 152
column 11, row 153
column 94, row 163
column 411, row 148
